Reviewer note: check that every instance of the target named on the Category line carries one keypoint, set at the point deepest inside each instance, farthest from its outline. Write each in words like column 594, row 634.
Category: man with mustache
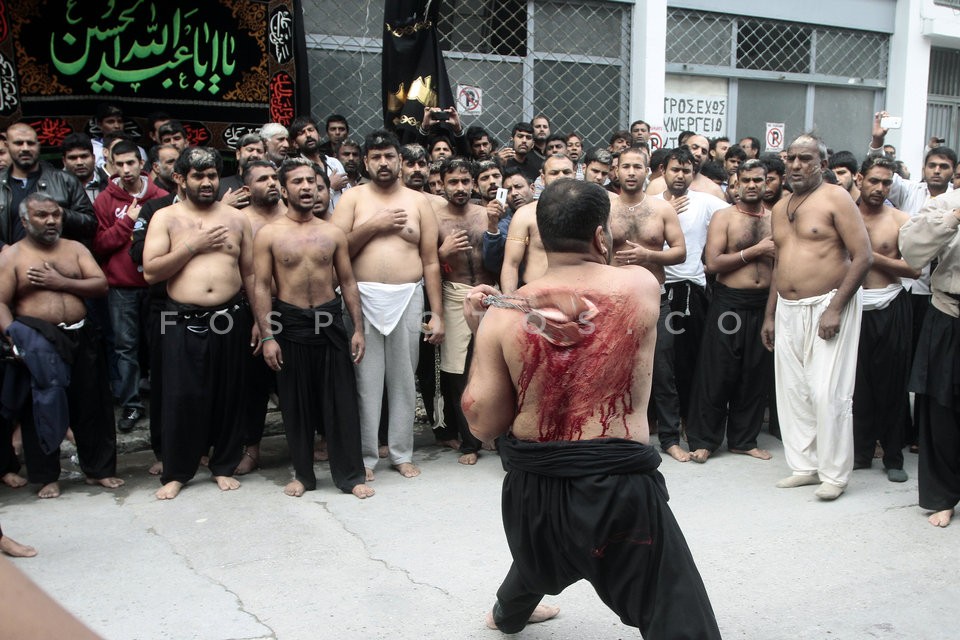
column 461, row 225
column 520, row 153
column 60, row 378
column 349, row 156
column 303, row 132
column 204, row 250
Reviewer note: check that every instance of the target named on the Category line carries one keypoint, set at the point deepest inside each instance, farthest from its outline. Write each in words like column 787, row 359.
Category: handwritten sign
column 220, row 64
column 773, row 141
column 706, row 115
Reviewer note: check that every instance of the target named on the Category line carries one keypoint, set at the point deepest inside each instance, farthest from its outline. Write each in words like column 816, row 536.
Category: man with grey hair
column 823, row 254
column 59, row 379
column 249, row 148
column 203, row 249
column 276, row 142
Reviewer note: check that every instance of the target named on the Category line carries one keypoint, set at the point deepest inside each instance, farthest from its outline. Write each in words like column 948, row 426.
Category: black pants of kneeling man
column 597, row 510
column 936, row 375
column 730, row 381
column 318, row 389
column 203, row 352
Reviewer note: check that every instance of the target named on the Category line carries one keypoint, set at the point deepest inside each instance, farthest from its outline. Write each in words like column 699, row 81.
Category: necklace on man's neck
column 632, row 208
column 791, row 216
column 758, row 214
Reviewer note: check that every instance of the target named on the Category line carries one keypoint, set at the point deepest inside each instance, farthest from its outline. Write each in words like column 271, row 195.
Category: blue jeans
column 126, row 305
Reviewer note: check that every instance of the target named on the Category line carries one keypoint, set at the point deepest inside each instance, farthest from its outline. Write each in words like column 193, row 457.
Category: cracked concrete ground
column 423, row 558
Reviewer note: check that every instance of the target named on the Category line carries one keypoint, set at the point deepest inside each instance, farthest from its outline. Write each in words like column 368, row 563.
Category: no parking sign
column 658, row 137
column 774, row 137
column 469, row 100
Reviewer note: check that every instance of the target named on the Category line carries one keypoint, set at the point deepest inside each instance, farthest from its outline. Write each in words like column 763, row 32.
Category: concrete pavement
column 423, row 558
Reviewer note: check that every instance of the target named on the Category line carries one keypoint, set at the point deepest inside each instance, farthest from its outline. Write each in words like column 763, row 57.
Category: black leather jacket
column 79, row 221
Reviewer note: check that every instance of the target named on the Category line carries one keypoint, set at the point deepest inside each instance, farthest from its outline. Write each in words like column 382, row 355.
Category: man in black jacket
column 27, row 174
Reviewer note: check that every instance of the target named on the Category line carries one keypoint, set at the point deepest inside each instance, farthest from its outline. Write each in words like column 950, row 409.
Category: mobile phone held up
column 891, row 122
column 439, row 116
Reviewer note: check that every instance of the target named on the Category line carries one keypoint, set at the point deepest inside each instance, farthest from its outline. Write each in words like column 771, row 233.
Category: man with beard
column 304, row 338
column 414, row 166
column 171, row 132
column 117, row 210
column 699, row 148
column 641, row 227
column 232, row 191
column 823, row 254
column 203, row 249
column 481, row 147
column 461, row 225
column 59, row 380
column 499, row 217
column 519, row 153
column 733, row 369
column 303, row 132
column 686, row 282
column 392, row 235
column 773, row 190
column 884, row 353
column 523, row 245
column 349, row 157
column 541, row 131
column 276, row 142
column 640, row 131
column 162, row 158
column 23, row 177
column 266, row 207
column 844, row 166
column 79, row 161
column 338, row 129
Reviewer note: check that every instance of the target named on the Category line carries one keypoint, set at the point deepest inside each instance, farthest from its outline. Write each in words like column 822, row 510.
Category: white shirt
column 694, row 222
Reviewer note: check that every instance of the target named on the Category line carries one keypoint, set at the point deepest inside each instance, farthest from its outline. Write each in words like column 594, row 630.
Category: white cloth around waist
column 383, row 304
column 877, row 299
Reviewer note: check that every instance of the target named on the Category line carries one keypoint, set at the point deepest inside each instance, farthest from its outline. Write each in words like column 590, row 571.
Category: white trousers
column 815, row 380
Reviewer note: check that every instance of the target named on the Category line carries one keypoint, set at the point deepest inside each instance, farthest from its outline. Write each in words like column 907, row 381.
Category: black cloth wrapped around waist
column 186, row 311
column 732, row 298
column 578, row 458
column 318, row 325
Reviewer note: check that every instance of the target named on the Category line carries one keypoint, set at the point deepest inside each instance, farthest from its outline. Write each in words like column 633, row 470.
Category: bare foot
column 941, row 518
column 17, row 441
column 877, row 451
column 383, row 451
column 468, row 458
column 542, row 613
column 407, row 469
column 15, row 549
column 759, row 454
column 51, row 490
column 70, row 437
column 489, row 446
column 249, row 461
column 677, row 453
column 204, row 461
column 294, row 489
column 700, row 455
column 13, row 480
column 227, row 483
column 370, row 476
column 450, row 444
column 362, row 491
column 109, row 483
column 156, row 468
column 169, row 491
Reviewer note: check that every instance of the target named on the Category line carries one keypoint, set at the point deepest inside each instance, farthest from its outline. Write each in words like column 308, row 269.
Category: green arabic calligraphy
column 124, row 56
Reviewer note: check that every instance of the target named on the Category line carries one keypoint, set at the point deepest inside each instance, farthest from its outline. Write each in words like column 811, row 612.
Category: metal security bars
column 737, row 46
column 566, row 59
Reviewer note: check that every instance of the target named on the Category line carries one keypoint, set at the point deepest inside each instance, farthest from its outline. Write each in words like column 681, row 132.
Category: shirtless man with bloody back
column 582, row 498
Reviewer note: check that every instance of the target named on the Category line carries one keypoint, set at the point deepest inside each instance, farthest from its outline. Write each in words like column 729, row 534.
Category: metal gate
column 566, row 59
column 943, row 99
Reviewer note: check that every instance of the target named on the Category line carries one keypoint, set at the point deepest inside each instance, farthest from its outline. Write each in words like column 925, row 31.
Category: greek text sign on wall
column 223, row 63
column 706, row 115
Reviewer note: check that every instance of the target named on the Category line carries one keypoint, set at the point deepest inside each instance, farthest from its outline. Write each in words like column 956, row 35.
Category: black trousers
column 664, row 402
column 91, row 417
column 919, row 304
column 883, row 369
column 452, row 386
column 612, row 528
column 939, row 465
column 688, row 301
column 318, row 390
column 734, row 368
column 260, row 380
column 203, row 383
column 154, row 334
column 8, row 457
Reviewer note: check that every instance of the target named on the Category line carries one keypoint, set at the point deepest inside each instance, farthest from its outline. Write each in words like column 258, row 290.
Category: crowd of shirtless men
column 793, row 286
